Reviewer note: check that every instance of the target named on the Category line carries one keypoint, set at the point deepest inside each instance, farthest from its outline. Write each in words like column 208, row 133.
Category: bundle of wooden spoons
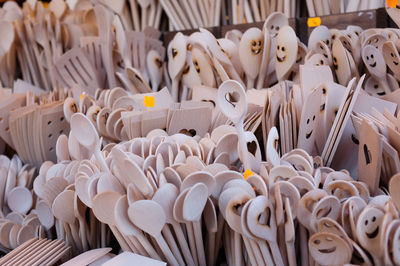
column 19, row 222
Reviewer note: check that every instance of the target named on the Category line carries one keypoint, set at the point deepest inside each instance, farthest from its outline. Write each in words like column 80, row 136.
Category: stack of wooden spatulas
column 37, row 252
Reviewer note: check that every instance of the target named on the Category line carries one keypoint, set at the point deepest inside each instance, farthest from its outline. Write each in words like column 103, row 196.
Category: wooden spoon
column 150, row 217
column 128, row 229
column 166, row 196
column 87, row 136
column 232, row 101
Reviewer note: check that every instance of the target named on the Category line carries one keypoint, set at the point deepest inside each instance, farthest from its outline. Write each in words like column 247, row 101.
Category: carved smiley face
column 312, row 121
column 335, row 63
column 309, row 121
column 373, row 88
column 374, row 61
column 391, row 56
column 280, row 53
column 329, row 249
column 274, row 23
column 286, row 52
column 176, row 54
column 376, row 40
column 369, row 59
column 256, row 46
column 340, row 62
column 320, row 33
column 369, row 227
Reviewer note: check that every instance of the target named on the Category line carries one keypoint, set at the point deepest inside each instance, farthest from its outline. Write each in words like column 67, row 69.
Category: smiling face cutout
column 286, row 52
column 374, row 61
column 274, row 23
column 316, row 60
column 376, row 40
column 176, row 55
column 392, row 57
column 203, row 67
column 369, row 228
column 214, row 47
column 250, row 51
column 325, row 51
column 320, row 33
column 329, row 249
column 310, row 116
column 373, row 88
column 340, row 62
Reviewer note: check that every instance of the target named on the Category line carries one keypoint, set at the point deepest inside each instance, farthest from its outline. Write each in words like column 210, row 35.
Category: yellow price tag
column 247, row 173
column 313, row 22
column 82, row 95
column 148, row 101
column 392, row 3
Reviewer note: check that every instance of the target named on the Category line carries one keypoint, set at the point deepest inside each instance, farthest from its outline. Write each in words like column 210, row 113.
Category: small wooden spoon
column 150, row 217
column 87, row 136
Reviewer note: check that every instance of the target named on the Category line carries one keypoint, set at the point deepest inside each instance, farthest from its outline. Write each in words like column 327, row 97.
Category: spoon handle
column 218, row 237
column 217, row 13
column 250, row 82
column 228, row 244
column 175, row 89
column 100, row 159
column 242, row 145
column 265, row 252
column 198, row 236
column 172, row 244
column 303, row 245
column 135, row 14
column 124, row 245
column 82, row 231
column 210, row 248
column 291, row 253
column 276, row 253
column 103, row 230
column 69, row 237
column 144, row 18
column 75, row 235
column 253, row 255
column 196, row 13
column 133, row 247
column 166, row 250
column 183, row 244
column 192, row 243
column 148, row 247
column 237, row 243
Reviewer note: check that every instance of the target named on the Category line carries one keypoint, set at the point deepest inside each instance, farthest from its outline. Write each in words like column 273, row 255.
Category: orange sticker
column 148, row 101
column 313, row 22
column 247, row 173
column 392, row 3
column 82, row 95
